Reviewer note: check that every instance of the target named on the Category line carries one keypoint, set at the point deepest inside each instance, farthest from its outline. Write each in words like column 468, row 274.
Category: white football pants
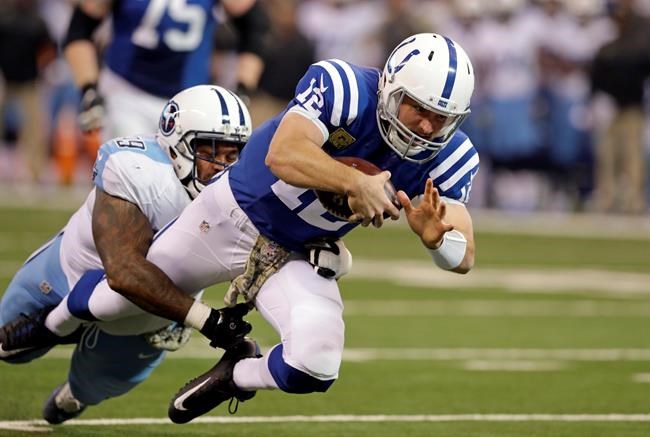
column 209, row 243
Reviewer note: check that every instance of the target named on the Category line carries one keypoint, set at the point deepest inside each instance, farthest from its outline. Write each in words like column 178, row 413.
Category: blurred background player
column 25, row 49
column 141, row 183
column 619, row 75
column 156, row 49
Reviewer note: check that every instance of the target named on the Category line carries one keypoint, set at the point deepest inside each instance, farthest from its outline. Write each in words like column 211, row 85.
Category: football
column 337, row 204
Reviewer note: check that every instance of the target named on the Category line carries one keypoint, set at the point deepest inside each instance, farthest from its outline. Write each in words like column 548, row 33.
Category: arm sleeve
column 252, row 28
column 82, row 26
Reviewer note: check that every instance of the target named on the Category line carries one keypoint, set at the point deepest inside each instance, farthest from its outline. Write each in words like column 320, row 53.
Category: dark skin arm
column 122, row 236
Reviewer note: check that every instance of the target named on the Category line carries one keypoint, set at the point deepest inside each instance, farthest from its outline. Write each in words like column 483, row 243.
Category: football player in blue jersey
column 157, row 48
column 404, row 119
column 141, row 183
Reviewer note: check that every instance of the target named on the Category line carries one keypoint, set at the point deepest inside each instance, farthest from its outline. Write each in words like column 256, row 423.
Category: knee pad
column 291, row 380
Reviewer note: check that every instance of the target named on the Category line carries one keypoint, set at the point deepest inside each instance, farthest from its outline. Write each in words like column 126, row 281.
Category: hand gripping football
column 337, row 204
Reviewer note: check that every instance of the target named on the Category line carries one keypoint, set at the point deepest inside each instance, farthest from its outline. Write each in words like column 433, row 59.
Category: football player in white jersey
column 156, row 49
column 141, row 183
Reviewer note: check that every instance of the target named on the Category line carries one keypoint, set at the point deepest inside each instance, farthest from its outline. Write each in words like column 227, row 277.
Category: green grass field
column 548, row 336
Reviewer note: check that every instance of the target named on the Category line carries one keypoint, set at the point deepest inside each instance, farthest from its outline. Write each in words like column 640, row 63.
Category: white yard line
column 552, row 280
column 496, row 308
column 42, row 426
column 521, row 280
column 463, row 354
column 199, row 349
column 513, row 366
column 643, row 378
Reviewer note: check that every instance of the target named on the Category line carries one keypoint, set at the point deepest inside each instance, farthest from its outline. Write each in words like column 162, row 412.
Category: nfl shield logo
column 204, row 226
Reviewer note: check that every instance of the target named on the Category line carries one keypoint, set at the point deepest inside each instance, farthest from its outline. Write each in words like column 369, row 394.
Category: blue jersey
column 341, row 99
column 162, row 47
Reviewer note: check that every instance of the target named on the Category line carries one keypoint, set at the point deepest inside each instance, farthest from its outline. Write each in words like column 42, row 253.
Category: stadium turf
column 547, row 337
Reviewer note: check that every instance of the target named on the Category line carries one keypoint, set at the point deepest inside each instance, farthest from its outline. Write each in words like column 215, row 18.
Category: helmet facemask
column 188, row 146
column 406, row 143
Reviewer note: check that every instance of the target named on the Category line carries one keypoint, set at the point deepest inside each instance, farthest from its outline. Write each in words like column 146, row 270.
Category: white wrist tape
column 197, row 315
column 451, row 252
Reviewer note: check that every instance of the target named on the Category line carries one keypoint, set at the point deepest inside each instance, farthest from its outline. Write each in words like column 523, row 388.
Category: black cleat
column 210, row 389
column 28, row 332
column 62, row 405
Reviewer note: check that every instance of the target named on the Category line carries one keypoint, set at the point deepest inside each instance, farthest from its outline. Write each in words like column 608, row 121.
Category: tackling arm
column 122, row 236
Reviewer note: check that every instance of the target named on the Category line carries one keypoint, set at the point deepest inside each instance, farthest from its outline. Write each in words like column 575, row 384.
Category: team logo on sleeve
column 341, row 139
column 168, row 118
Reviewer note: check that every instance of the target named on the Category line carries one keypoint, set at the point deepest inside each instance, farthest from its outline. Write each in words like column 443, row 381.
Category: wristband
column 197, row 315
column 451, row 252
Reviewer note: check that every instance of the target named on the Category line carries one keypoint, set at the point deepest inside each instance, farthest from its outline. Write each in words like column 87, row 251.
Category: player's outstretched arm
column 122, row 236
column 444, row 228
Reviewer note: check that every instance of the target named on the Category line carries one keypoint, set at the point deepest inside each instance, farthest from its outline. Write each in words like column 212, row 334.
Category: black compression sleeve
column 81, row 26
column 252, row 27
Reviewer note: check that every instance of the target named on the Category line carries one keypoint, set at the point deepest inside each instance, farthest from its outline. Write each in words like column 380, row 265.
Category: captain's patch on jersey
column 341, row 139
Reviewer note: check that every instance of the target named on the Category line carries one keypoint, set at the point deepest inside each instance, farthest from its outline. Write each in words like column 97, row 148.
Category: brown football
column 337, row 204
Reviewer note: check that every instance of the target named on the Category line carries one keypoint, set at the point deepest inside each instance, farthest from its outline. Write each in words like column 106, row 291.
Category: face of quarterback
column 209, row 162
column 422, row 121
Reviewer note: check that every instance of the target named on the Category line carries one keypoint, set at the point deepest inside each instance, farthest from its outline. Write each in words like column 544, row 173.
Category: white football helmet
column 206, row 112
column 434, row 71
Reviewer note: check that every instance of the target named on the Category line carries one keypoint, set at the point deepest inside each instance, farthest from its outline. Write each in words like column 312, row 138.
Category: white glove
column 330, row 258
column 91, row 109
column 170, row 338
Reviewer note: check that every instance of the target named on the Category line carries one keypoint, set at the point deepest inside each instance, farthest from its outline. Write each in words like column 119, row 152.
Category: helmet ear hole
column 172, row 153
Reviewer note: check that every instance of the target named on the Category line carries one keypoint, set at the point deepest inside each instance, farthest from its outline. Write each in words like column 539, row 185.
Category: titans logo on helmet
column 168, row 118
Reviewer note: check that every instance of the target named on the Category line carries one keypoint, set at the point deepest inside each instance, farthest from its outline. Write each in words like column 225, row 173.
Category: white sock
column 60, row 321
column 253, row 374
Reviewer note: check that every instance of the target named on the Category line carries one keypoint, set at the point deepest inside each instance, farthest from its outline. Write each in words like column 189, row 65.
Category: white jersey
column 137, row 170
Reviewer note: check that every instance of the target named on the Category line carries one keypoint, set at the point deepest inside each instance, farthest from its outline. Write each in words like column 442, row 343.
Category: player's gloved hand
column 91, row 108
column 170, row 338
column 330, row 258
column 226, row 327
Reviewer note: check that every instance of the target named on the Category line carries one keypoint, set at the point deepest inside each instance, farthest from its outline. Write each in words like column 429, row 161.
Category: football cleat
column 62, row 405
column 28, row 332
column 215, row 386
